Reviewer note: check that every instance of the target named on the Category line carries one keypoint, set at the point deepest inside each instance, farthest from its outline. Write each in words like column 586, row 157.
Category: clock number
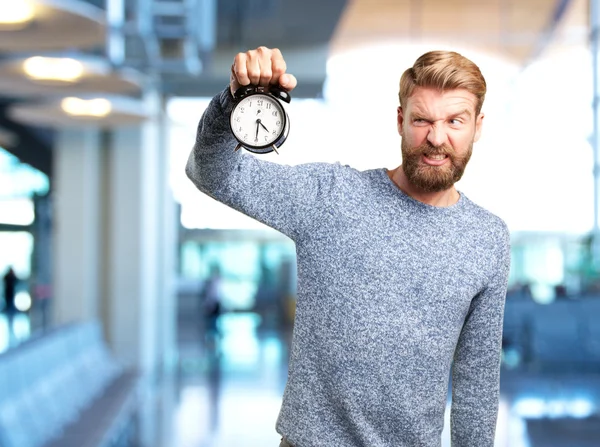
column 278, row 123
column 245, row 136
column 240, row 129
column 259, row 102
column 266, row 138
column 275, row 113
column 242, row 110
column 274, row 132
column 238, row 119
column 269, row 106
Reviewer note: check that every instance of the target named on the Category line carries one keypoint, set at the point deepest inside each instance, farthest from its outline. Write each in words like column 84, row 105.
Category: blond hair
column 443, row 70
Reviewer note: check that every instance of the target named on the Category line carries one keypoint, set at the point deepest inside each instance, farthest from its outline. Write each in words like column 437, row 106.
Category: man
column 401, row 278
column 10, row 284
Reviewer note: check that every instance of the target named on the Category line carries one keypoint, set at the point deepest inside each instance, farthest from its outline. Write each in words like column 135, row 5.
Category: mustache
column 430, row 149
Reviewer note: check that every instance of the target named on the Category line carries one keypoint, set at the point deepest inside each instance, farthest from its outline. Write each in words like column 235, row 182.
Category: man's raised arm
column 283, row 197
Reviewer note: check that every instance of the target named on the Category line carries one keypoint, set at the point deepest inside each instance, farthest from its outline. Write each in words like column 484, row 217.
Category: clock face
column 258, row 120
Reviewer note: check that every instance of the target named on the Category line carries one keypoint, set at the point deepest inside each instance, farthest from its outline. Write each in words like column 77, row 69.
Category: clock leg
column 275, row 149
column 237, row 148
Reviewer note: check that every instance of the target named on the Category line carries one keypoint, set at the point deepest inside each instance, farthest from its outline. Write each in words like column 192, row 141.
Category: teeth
column 436, row 157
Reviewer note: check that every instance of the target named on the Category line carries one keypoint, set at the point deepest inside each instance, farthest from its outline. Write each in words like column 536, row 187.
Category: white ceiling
column 49, row 113
column 57, row 25
column 516, row 30
column 98, row 77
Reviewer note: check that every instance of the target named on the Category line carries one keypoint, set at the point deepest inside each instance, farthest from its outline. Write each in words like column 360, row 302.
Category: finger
column 233, row 82
column 288, row 82
column 240, row 70
column 264, row 61
column 253, row 66
column 278, row 66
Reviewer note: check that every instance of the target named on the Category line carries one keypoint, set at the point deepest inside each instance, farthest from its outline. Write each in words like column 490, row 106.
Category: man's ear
column 400, row 121
column 478, row 124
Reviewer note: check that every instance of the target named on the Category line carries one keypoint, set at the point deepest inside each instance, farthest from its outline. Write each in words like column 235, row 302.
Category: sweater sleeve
column 286, row 198
column 476, row 369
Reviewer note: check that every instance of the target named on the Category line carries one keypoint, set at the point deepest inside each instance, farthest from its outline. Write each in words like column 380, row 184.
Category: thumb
column 288, row 81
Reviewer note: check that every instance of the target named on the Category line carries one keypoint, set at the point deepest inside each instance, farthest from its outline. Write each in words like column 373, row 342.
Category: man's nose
column 436, row 136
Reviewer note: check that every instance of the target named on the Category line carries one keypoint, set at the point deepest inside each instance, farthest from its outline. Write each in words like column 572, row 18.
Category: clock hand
column 263, row 126
column 257, row 128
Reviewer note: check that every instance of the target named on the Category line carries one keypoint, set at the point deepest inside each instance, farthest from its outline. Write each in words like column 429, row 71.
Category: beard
column 433, row 178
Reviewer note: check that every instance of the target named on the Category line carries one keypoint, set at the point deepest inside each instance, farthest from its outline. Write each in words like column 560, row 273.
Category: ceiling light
column 15, row 14
column 49, row 69
column 92, row 108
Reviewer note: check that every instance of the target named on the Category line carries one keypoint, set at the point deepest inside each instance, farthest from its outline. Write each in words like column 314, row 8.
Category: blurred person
column 401, row 278
column 10, row 281
column 211, row 308
column 210, row 302
column 10, row 286
column 267, row 297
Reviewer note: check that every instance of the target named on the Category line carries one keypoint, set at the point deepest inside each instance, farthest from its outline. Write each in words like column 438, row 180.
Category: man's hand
column 263, row 67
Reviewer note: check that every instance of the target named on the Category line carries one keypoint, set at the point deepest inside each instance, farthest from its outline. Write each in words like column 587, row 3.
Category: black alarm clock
column 258, row 120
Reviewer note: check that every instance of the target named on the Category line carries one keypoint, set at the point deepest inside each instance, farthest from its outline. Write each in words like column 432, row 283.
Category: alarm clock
column 258, row 120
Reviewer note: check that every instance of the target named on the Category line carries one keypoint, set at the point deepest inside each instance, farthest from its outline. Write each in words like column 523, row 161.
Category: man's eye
column 419, row 121
column 455, row 122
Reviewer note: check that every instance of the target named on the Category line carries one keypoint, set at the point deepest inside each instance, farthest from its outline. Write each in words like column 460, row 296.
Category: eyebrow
column 463, row 112
column 416, row 114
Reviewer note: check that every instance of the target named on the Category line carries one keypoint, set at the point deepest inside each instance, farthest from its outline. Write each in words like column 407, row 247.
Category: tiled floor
column 227, row 392
column 232, row 399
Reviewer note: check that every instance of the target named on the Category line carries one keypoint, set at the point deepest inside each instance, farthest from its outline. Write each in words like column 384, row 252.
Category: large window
column 249, row 268
column 18, row 184
column 19, row 180
column 533, row 165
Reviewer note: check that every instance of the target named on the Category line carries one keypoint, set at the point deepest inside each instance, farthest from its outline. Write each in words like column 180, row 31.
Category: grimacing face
column 438, row 129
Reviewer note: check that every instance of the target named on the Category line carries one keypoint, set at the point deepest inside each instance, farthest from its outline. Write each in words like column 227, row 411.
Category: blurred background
column 138, row 312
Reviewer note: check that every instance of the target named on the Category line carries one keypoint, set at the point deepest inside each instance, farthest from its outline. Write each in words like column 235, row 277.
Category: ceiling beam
column 13, row 228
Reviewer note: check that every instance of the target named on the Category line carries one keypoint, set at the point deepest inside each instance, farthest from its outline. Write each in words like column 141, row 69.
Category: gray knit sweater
column 393, row 295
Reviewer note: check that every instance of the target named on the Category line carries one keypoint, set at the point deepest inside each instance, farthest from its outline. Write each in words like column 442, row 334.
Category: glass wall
column 533, row 173
column 249, row 267
column 20, row 184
